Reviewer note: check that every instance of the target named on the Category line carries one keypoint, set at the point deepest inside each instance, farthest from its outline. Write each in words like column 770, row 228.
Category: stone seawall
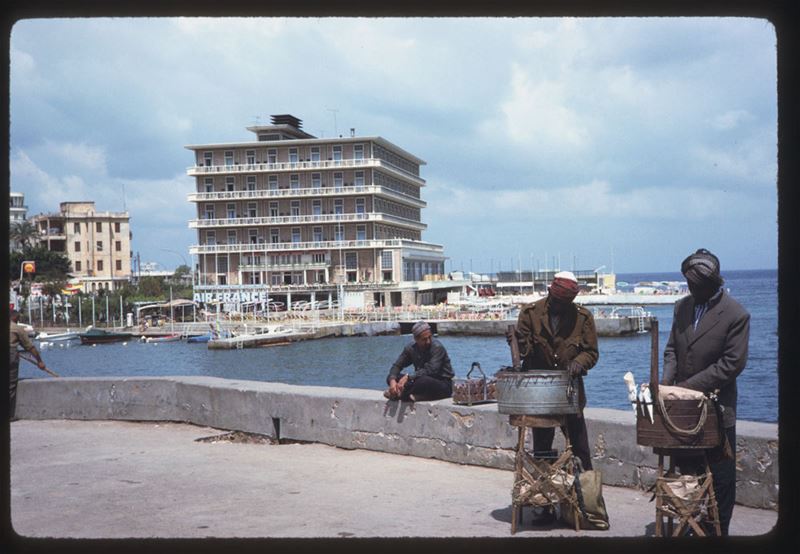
column 359, row 418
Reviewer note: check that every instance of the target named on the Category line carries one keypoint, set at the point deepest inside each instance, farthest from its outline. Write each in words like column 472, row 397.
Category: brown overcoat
column 576, row 339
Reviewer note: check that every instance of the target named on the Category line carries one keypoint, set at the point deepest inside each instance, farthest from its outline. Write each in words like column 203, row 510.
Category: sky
column 577, row 143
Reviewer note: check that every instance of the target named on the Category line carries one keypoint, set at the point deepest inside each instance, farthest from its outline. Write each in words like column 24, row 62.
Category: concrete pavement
column 114, row 479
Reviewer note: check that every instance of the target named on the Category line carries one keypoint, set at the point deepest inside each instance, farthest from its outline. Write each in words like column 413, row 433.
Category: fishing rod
column 27, row 356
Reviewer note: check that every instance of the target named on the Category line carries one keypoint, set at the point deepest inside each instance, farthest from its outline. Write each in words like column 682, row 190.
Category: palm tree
column 22, row 234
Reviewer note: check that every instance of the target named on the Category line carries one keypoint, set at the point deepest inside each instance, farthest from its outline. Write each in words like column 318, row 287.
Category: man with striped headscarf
column 706, row 351
column 556, row 333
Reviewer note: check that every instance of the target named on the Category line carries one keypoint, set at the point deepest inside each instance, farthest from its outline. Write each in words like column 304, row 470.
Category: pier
column 360, row 419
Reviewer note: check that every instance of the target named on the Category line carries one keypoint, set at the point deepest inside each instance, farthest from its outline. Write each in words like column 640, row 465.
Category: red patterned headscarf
column 564, row 286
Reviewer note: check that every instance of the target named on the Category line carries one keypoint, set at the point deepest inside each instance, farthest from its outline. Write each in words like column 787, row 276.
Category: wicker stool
column 690, row 509
column 543, row 477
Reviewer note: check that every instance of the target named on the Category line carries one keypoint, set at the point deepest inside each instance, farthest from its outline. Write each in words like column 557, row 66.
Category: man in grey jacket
column 433, row 374
column 706, row 351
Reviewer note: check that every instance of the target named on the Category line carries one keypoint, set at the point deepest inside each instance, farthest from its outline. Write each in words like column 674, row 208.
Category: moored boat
column 174, row 337
column 68, row 335
column 101, row 336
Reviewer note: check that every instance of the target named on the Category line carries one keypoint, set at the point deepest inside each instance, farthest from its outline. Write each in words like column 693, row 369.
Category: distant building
column 17, row 210
column 303, row 218
column 98, row 244
column 17, row 213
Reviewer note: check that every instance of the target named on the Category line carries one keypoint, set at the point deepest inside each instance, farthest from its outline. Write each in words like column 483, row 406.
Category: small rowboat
column 166, row 338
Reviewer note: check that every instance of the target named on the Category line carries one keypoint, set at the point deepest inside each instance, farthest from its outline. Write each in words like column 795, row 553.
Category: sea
column 364, row 362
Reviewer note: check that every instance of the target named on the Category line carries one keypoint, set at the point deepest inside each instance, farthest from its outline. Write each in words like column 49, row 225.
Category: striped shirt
column 701, row 309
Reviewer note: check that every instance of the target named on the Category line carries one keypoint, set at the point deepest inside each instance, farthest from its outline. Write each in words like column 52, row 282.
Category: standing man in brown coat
column 555, row 333
column 706, row 351
column 17, row 337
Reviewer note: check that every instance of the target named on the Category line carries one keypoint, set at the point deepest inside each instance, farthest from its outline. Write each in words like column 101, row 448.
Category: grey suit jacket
column 712, row 356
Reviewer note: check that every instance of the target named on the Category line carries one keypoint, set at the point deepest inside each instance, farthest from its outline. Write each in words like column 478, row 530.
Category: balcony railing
column 346, row 190
column 283, row 267
column 199, row 170
column 305, row 219
column 237, row 248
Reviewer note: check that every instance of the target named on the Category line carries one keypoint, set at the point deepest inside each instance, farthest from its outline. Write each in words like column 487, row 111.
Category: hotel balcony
column 302, row 266
column 237, row 248
column 286, row 167
column 307, row 219
column 348, row 190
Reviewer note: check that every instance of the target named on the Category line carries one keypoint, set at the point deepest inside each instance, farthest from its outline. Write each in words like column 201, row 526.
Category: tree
column 50, row 266
column 23, row 234
column 181, row 272
column 151, row 287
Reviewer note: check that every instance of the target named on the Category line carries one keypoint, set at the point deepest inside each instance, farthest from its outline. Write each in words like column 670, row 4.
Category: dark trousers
column 13, row 377
column 426, row 387
column 576, row 431
column 723, row 471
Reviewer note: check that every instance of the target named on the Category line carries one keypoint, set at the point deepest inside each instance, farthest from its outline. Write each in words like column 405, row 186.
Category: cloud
column 731, row 119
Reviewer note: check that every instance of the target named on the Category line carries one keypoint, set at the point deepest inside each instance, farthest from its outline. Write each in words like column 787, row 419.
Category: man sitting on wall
column 433, row 374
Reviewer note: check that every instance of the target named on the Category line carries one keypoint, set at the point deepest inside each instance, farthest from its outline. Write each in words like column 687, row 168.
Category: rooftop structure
column 17, row 210
column 293, row 214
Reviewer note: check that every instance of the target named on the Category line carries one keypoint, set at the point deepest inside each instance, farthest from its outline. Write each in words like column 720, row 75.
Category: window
column 99, row 246
column 230, row 183
column 116, row 227
column 209, row 184
column 251, row 156
column 337, row 180
column 118, row 245
column 99, row 265
column 315, row 154
column 295, row 208
column 253, row 236
column 351, row 260
column 318, row 258
column 76, row 227
column 293, row 155
column 337, row 153
column 208, row 158
column 338, row 206
column 359, row 180
column 231, row 236
column 274, row 236
column 386, row 259
column 231, row 211
column 78, row 266
column 316, row 207
column 294, row 182
column 361, row 232
column 273, row 182
column 98, row 227
column 209, row 211
column 317, row 234
column 358, row 152
column 251, row 209
column 119, row 265
column 211, row 237
column 338, row 233
column 272, row 156
column 295, row 234
column 360, row 206
column 229, row 158
column 316, row 180
column 77, row 246
column 251, row 182
column 273, row 209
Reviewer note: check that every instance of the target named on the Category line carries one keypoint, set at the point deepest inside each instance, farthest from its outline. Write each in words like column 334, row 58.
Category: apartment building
column 98, row 244
column 300, row 217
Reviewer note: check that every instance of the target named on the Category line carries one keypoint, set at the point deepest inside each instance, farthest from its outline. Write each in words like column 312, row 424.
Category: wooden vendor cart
column 679, row 428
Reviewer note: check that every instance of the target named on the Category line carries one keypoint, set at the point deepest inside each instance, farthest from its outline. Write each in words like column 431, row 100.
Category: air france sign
column 240, row 297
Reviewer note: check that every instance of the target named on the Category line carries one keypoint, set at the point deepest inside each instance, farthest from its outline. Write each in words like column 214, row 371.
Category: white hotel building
column 295, row 217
